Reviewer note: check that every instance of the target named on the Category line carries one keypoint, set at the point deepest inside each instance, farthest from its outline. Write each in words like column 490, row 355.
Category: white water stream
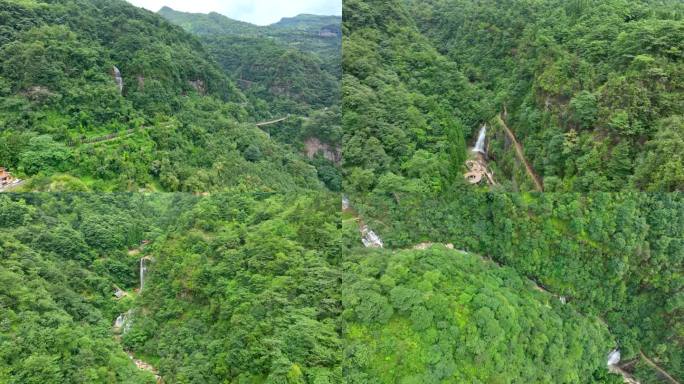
column 480, row 144
column 118, row 78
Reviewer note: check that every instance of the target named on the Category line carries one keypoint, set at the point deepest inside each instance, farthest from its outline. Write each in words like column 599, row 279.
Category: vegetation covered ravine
column 616, row 256
column 591, row 89
column 239, row 287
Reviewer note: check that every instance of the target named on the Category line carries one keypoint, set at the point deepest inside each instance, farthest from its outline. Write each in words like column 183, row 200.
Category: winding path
column 521, row 156
column 129, row 132
column 657, row 368
column 263, row 123
column 109, row 137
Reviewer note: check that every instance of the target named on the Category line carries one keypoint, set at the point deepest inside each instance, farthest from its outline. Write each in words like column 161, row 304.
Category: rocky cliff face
column 314, row 145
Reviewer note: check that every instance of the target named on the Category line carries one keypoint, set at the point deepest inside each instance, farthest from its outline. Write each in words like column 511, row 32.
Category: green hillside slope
column 219, row 289
column 614, row 255
column 175, row 122
column 445, row 316
column 591, row 90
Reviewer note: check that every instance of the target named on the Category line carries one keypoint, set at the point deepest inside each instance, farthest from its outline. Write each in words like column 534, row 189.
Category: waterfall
column 122, row 324
column 480, row 144
column 345, row 203
column 119, row 322
column 613, row 357
column 143, row 269
column 118, row 78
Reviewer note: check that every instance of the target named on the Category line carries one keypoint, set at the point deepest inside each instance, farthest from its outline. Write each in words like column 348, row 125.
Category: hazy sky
column 259, row 12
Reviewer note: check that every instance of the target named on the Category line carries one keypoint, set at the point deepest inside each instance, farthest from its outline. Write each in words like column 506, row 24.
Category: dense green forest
column 60, row 256
column 258, row 277
column 101, row 95
column 238, row 288
column 294, row 64
column 445, row 316
column 591, row 92
column 245, row 291
column 257, row 288
column 591, row 89
column 618, row 256
column 315, row 34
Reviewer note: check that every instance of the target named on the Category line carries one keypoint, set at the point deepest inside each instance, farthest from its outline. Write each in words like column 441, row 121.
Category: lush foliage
column 592, row 89
column 445, row 316
column 617, row 256
column 407, row 109
column 60, row 257
column 290, row 68
column 178, row 124
column 292, row 64
column 240, row 288
column 315, row 34
column 244, row 290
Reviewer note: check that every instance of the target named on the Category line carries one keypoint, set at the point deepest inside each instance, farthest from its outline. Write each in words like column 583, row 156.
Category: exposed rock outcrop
column 477, row 171
column 369, row 238
column 199, row 86
column 313, row 146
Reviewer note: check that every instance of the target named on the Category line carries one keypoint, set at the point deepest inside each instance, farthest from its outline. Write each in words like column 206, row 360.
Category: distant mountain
column 312, row 23
column 209, row 24
column 321, row 35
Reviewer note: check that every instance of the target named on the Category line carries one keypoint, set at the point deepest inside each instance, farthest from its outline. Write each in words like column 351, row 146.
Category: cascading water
column 480, row 144
column 613, row 357
column 346, row 204
column 119, row 322
column 143, row 269
column 123, row 322
column 118, row 78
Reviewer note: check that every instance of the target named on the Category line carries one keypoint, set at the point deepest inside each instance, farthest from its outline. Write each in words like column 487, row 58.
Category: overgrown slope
column 592, row 89
column 439, row 315
column 176, row 122
column 407, row 109
column 614, row 255
column 294, row 64
column 237, row 287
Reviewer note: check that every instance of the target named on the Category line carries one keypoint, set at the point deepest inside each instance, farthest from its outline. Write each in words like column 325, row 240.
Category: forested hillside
column 235, row 288
column 291, row 68
column 592, row 90
column 316, row 34
column 445, row 316
column 407, row 109
column 618, row 256
column 101, row 95
column 294, row 64
column 60, row 259
column 243, row 290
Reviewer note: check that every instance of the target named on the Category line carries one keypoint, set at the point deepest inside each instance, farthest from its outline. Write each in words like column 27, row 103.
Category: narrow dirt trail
column 657, row 368
column 106, row 138
column 272, row 121
column 521, row 156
